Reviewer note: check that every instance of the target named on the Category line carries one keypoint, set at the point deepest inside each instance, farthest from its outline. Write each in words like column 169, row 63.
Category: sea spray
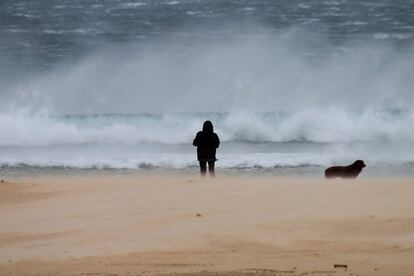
column 282, row 72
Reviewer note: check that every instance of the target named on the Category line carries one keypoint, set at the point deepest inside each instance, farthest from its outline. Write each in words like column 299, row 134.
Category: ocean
column 123, row 86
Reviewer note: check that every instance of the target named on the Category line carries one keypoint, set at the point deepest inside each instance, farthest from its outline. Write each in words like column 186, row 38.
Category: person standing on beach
column 206, row 142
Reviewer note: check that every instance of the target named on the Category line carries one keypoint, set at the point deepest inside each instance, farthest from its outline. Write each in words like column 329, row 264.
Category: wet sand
column 169, row 224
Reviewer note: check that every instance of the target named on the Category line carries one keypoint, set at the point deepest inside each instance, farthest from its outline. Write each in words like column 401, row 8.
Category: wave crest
column 332, row 125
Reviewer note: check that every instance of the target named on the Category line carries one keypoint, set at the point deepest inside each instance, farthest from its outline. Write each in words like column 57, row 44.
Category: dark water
column 40, row 34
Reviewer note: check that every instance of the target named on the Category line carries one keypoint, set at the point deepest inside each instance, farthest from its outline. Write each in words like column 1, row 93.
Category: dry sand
column 130, row 225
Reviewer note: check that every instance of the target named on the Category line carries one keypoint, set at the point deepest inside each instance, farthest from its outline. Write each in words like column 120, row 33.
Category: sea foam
column 332, row 125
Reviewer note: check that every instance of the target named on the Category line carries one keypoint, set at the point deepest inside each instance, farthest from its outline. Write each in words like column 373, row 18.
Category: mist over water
column 302, row 84
column 286, row 71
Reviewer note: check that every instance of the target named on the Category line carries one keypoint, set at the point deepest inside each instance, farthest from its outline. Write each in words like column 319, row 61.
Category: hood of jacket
column 208, row 126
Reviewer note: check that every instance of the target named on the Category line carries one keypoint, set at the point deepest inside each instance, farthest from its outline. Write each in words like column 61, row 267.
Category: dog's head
column 359, row 164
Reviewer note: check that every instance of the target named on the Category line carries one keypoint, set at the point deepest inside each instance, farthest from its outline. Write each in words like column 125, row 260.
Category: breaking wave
column 321, row 126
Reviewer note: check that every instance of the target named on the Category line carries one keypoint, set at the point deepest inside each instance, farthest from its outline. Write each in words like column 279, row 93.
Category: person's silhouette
column 206, row 142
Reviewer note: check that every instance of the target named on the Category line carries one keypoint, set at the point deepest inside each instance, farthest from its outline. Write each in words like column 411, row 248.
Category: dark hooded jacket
column 206, row 142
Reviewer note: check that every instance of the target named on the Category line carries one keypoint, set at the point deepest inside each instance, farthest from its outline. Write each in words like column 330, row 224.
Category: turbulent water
column 290, row 86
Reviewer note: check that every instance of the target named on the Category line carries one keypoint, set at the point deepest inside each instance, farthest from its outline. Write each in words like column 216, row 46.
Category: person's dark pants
column 203, row 168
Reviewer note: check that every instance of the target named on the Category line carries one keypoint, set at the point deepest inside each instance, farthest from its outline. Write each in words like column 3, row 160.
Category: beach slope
column 151, row 225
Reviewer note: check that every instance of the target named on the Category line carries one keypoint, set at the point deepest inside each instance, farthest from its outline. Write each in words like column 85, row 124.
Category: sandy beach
column 151, row 225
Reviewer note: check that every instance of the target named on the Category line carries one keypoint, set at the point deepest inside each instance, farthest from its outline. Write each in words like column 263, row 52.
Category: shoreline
column 372, row 172
column 182, row 224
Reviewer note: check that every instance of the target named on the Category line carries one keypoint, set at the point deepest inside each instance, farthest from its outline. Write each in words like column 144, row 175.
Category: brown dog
column 351, row 171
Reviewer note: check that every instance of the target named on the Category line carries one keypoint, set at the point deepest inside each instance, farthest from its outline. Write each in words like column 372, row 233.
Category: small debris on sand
column 341, row 266
column 199, row 215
